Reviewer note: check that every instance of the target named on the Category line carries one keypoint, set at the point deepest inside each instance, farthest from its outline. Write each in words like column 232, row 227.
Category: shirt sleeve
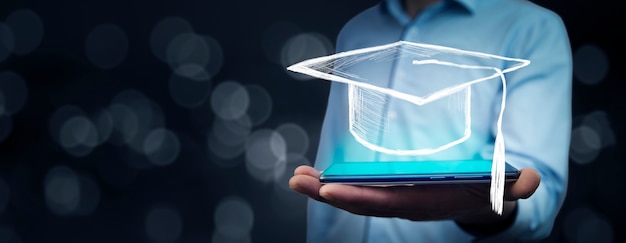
column 537, row 123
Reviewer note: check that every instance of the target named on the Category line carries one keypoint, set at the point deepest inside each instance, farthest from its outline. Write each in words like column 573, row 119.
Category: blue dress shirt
column 536, row 122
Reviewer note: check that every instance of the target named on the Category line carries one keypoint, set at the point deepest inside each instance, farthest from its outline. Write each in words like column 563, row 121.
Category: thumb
column 525, row 185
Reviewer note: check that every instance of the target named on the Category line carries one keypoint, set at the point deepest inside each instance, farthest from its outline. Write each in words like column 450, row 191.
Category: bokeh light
column 585, row 225
column 125, row 123
column 591, row 133
column 78, row 136
column 161, row 146
column 104, row 125
column 227, row 139
column 275, row 36
column 163, row 224
column 232, row 132
column 296, row 138
column 230, row 100
column 585, row 145
column 260, row 105
column 27, row 29
column 164, row 31
column 223, row 154
column 591, row 64
column 70, row 193
column 106, row 46
column 89, row 194
column 13, row 92
column 234, row 219
column 7, row 41
column 73, row 131
column 266, row 152
column 134, row 116
column 154, row 118
column 600, row 122
column 304, row 46
column 194, row 56
column 62, row 190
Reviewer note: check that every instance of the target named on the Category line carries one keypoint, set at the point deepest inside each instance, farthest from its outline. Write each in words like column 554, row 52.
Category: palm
column 418, row 203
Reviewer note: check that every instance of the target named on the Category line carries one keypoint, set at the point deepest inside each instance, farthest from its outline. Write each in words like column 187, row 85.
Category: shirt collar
column 395, row 8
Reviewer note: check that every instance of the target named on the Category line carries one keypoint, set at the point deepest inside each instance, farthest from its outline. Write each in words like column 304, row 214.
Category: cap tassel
column 496, row 191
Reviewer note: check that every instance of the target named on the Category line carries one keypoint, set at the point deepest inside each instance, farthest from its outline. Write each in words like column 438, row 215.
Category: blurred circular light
column 104, row 125
column 62, row 190
column 275, row 36
column 78, row 136
column 124, row 123
column 161, row 146
column 585, row 145
column 266, row 151
column 7, row 41
column 230, row 100
column 164, row 32
column 106, row 46
column 260, row 105
column 292, row 162
column 234, row 218
column 27, row 30
column 591, row 64
column 13, row 92
column 225, row 153
column 89, row 195
column 296, row 138
column 585, row 225
column 232, row 132
column 60, row 117
column 304, row 46
column 227, row 139
column 194, row 56
column 6, row 125
column 163, row 224
column 600, row 122
column 188, row 93
column 134, row 116
column 281, row 177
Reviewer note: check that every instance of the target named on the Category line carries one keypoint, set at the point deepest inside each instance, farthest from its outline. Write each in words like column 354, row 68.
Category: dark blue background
column 58, row 73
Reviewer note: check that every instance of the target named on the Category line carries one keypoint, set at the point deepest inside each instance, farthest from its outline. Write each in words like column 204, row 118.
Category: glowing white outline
column 497, row 171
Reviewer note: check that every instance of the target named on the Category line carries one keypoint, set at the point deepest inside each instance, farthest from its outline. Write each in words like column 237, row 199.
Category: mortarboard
column 404, row 81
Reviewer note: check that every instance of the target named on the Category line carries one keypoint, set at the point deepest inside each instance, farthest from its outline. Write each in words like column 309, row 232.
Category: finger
column 392, row 201
column 307, row 185
column 306, row 170
column 380, row 198
column 354, row 199
column 525, row 185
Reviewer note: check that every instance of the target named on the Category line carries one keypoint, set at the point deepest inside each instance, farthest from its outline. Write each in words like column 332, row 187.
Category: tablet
column 413, row 172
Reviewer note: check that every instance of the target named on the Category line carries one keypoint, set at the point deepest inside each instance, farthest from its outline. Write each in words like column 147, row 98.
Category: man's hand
column 465, row 203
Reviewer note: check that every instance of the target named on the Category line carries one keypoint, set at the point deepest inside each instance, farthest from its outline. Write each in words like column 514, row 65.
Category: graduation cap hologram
column 430, row 82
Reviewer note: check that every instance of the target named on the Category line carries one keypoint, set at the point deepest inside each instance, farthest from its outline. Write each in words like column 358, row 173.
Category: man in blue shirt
column 537, row 130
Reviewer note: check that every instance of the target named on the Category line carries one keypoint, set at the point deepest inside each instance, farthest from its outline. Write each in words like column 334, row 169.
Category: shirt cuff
column 518, row 231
